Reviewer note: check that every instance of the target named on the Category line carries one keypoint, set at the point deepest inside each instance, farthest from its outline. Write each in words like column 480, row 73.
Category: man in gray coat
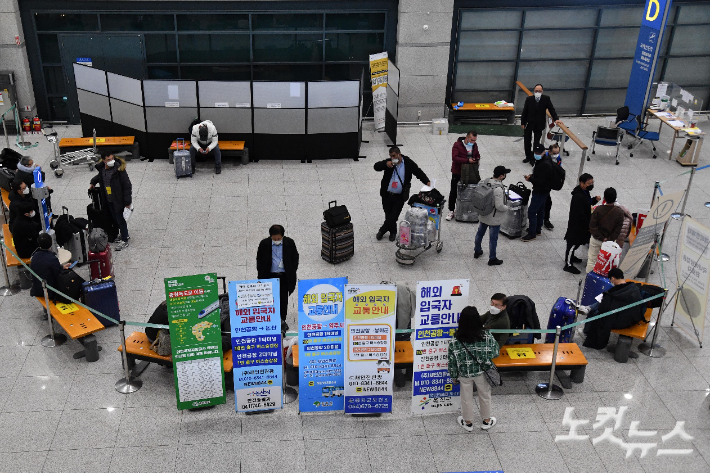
column 493, row 219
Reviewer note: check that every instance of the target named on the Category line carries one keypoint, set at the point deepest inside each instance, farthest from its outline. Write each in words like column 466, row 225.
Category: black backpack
column 6, row 178
column 558, row 177
column 336, row 215
column 69, row 283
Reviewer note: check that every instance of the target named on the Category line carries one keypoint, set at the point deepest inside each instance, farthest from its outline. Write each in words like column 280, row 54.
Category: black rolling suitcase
column 338, row 243
column 99, row 214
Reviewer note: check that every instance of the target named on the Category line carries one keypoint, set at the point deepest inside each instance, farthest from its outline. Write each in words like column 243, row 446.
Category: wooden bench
column 79, row 325
column 10, row 260
column 118, row 143
column 138, row 348
column 569, row 357
column 480, row 112
column 227, row 148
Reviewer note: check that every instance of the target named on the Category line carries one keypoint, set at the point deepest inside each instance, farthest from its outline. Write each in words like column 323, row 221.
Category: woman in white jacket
column 494, row 219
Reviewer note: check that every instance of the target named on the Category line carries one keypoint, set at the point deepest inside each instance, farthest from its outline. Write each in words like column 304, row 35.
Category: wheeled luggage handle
column 177, row 143
column 330, row 204
column 65, row 211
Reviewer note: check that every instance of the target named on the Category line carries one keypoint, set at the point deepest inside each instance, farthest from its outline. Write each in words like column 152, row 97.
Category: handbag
column 161, row 345
column 491, row 374
column 522, row 191
column 336, row 215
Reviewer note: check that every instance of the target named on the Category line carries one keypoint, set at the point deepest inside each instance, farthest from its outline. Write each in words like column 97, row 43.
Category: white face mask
column 277, row 243
column 26, row 191
column 556, row 155
column 395, row 161
column 538, row 95
column 32, row 214
column 494, row 310
column 111, row 163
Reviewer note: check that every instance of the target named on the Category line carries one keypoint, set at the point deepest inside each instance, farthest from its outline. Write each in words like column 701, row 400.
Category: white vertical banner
column 693, row 279
column 439, row 306
column 378, row 78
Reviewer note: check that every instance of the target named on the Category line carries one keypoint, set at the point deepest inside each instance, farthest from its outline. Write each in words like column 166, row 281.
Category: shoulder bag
column 492, row 375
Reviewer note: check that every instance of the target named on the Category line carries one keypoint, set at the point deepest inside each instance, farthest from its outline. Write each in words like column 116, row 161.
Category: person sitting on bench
column 205, row 141
column 622, row 294
column 25, row 228
column 46, row 265
column 20, row 193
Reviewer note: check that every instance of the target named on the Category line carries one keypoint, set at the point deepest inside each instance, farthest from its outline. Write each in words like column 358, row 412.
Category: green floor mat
column 497, row 130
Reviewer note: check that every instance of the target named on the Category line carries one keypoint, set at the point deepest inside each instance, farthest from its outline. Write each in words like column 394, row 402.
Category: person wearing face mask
column 493, row 220
column 277, row 257
column 46, row 265
column 580, row 214
column 117, row 190
column 25, row 229
column 534, row 119
column 554, row 153
column 397, row 172
column 497, row 318
column 204, row 140
column 541, row 179
column 20, row 194
column 464, row 151
column 25, row 173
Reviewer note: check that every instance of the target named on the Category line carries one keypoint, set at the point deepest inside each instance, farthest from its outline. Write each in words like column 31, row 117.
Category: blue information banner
column 645, row 58
column 39, row 183
column 257, row 353
column 321, row 324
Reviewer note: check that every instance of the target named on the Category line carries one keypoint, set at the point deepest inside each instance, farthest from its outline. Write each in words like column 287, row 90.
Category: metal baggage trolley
column 407, row 254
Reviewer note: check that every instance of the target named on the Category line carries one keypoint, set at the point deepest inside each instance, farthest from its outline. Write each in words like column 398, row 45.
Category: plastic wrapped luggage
column 464, row 204
column 516, row 220
column 562, row 313
column 182, row 160
column 102, row 296
column 594, row 285
column 337, row 243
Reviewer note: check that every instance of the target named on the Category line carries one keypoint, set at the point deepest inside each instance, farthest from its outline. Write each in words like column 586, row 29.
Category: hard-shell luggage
column 182, row 160
column 99, row 214
column 594, row 285
column 338, row 243
column 516, row 218
column 78, row 245
column 464, row 203
column 101, row 264
column 562, row 313
column 102, row 296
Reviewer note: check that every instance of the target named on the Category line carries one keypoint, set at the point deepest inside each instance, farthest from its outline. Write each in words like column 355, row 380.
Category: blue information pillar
column 41, row 195
column 655, row 16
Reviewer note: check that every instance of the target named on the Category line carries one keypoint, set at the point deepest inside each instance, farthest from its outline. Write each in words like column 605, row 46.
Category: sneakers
column 526, row 160
column 527, row 238
column 583, row 309
column 466, row 426
column 571, row 269
column 450, row 215
column 487, row 425
column 495, row 262
column 573, row 259
column 379, row 235
column 477, row 254
column 118, row 239
column 549, row 225
column 121, row 246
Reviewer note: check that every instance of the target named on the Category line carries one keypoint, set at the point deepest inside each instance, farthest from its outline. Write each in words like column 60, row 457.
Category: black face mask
column 590, row 188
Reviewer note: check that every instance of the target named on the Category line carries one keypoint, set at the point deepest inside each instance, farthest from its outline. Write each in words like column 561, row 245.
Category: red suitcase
column 101, row 264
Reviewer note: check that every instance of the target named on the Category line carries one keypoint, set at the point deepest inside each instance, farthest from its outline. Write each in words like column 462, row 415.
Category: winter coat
column 606, row 222
column 15, row 201
column 580, row 213
column 542, row 175
column 615, row 298
column 500, row 321
column 290, row 259
column 625, row 227
column 25, row 231
column 26, row 175
column 121, row 188
column 410, row 168
column 46, row 265
column 212, row 138
column 497, row 217
column 522, row 313
column 459, row 155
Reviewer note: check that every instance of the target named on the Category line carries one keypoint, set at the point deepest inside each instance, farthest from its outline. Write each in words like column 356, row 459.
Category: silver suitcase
column 182, row 160
column 516, row 219
column 79, row 246
column 465, row 212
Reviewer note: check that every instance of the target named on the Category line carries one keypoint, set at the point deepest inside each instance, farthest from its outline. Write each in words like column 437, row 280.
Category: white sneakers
column 450, row 215
column 469, row 427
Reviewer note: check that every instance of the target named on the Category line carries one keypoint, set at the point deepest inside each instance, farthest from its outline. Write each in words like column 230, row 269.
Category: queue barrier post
column 653, row 350
column 289, row 393
column 126, row 385
column 4, row 130
column 52, row 340
column 8, row 289
column 551, row 391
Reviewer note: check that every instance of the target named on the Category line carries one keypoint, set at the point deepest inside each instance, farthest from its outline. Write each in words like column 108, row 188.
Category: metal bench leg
column 400, row 378
column 577, row 374
column 91, row 349
column 138, row 369
column 622, row 349
column 564, row 379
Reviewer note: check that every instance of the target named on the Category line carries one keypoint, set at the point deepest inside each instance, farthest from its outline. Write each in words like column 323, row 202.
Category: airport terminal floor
column 61, row 414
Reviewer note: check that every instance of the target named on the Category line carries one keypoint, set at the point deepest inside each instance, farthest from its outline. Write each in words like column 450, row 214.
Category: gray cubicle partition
column 333, row 119
column 279, row 110
column 170, row 107
column 90, row 79
column 94, row 105
column 228, row 106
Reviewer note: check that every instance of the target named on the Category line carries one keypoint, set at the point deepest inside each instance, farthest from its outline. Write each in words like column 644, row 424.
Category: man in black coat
column 46, row 265
column 580, row 213
column 277, row 257
column 395, row 187
column 116, row 189
column 25, row 229
column 541, row 180
column 534, row 119
column 18, row 194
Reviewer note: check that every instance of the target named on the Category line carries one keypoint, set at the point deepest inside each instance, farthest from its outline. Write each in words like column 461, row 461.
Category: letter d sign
column 652, row 5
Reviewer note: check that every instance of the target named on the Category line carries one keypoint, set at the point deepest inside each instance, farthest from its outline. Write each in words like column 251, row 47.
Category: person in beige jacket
column 494, row 219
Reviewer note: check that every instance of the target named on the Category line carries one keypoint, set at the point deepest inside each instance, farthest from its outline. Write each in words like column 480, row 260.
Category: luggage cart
column 407, row 254
column 88, row 156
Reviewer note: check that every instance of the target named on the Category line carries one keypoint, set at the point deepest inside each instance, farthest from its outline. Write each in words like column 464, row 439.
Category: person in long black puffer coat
column 580, row 213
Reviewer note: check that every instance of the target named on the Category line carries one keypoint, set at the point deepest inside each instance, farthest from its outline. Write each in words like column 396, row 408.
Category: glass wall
column 582, row 56
column 225, row 46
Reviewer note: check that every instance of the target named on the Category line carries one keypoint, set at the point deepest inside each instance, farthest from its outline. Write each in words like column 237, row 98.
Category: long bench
column 117, row 143
column 79, row 325
column 227, row 148
column 138, row 349
column 480, row 112
column 569, row 357
column 10, row 260
column 5, row 204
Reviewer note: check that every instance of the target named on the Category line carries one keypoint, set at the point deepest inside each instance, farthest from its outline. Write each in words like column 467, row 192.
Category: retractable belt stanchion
column 289, row 393
column 4, row 129
column 653, row 350
column 52, row 340
column 551, row 391
column 126, row 385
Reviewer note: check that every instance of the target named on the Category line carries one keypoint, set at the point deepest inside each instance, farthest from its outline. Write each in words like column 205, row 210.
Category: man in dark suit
column 395, row 186
column 534, row 120
column 277, row 257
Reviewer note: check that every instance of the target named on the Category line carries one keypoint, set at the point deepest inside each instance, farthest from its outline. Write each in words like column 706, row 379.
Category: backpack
column 6, row 178
column 470, row 174
column 483, row 199
column 69, row 283
column 558, row 177
column 193, row 123
column 98, row 240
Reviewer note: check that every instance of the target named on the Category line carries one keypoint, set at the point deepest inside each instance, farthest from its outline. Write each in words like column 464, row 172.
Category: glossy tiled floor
column 60, row 414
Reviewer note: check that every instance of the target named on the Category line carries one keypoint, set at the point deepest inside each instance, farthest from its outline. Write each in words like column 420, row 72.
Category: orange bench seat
column 10, row 260
column 223, row 145
column 89, row 142
column 77, row 324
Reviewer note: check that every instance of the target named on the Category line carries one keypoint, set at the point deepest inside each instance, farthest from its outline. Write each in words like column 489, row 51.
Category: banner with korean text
column 378, row 78
column 693, row 279
column 321, row 327
column 370, row 320
column 196, row 340
column 436, row 317
column 256, row 344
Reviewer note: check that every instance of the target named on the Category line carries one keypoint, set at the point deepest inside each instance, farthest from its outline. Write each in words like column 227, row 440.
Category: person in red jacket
column 464, row 151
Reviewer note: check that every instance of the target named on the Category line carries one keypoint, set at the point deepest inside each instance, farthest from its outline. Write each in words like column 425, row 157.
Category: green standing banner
column 196, row 340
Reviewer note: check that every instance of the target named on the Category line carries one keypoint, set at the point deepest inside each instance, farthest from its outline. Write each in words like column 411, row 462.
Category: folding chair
column 605, row 136
column 632, row 125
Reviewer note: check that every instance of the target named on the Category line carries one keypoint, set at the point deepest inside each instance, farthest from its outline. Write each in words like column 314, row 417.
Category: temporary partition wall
column 280, row 120
column 392, row 110
column 127, row 110
column 228, row 106
column 94, row 106
column 333, row 119
column 170, row 107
